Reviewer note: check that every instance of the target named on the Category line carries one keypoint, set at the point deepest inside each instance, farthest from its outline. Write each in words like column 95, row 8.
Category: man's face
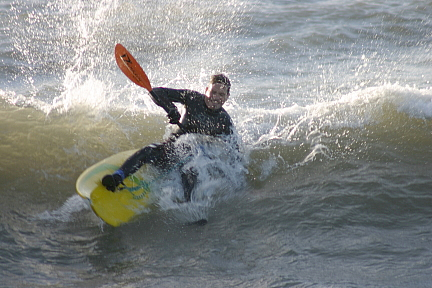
column 216, row 95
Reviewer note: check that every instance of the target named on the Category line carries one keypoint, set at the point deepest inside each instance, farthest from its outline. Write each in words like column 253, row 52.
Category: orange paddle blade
column 131, row 68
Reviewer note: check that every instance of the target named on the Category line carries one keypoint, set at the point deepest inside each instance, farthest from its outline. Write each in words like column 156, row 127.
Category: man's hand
column 174, row 116
column 111, row 181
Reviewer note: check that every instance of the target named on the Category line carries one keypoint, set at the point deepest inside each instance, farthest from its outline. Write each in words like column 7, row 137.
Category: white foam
column 220, row 174
column 310, row 126
column 362, row 106
column 65, row 213
column 352, row 110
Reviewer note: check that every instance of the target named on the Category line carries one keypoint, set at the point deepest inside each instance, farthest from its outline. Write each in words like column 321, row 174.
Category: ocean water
column 332, row 100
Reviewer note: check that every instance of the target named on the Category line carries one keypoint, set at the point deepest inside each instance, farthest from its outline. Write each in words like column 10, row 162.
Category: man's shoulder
column 223, row 111
column 193, row 93
column 193, row 98
column 181, row 95
column 226, row 117
column 174, row 90
column 188, row 93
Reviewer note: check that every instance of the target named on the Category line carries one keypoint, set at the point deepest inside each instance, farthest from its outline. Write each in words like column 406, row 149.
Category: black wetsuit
column 197, row 119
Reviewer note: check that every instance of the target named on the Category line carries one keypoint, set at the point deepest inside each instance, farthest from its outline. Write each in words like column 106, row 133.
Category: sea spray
column 66, row 212
column 220, row 168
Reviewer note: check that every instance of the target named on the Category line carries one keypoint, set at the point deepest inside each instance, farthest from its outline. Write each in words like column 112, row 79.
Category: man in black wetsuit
column 204, row 115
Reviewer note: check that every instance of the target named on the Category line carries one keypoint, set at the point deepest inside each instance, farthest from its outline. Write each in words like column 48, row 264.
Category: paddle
column 132, row 69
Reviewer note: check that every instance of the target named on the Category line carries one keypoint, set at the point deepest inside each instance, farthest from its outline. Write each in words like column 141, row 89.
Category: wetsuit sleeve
column 162, row 101
column 173, row 95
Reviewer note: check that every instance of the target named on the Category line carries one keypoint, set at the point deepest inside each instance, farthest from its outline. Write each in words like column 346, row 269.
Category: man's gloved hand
column 111, row 181
column 174, row 116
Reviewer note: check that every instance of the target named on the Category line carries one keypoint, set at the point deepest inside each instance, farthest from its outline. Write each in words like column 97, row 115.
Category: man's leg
column 147, row 155
column 152, row 154
column 189, row 179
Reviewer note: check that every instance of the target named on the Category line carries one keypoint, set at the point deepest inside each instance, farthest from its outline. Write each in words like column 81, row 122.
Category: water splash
column 68, row 47
column 289, row 137
column 66, row 212
column 221, row 174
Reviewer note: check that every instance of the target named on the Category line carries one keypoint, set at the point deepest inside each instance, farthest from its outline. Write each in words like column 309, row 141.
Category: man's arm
column 164, row 97
column 173, row 95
